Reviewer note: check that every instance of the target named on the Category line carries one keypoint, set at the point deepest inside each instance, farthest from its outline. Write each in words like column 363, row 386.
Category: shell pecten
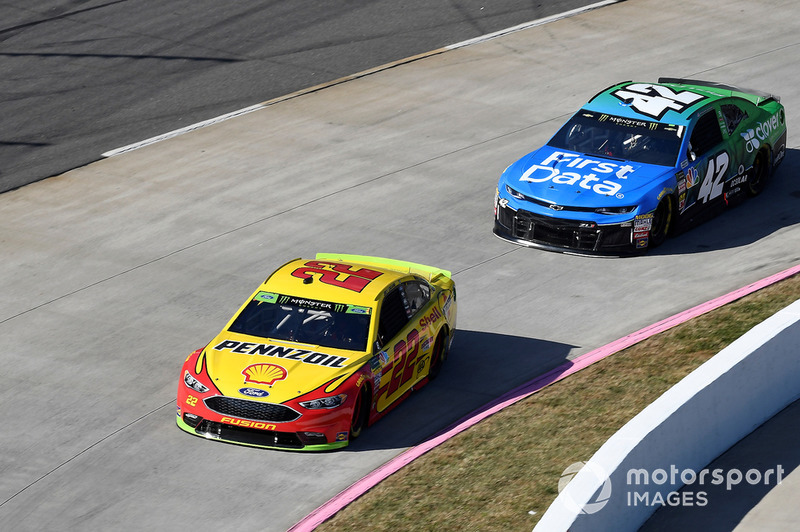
column 267, row 374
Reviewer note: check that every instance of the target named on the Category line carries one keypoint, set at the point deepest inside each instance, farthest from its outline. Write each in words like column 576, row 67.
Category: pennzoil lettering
column 297, row 353
column 243, row 347
column 327, row 361
column 314, row 358
column 260, row 349
column 289, row 353
column 278, row 351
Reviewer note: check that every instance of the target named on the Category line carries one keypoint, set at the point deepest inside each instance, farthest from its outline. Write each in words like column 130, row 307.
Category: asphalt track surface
column 82, row 77
column 144, row 256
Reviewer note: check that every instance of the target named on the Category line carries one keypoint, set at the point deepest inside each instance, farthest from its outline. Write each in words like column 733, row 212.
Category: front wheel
column 360, row 414
column 662, row 221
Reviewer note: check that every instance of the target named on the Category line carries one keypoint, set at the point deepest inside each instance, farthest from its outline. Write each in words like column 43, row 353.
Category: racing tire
column 438, row 356
column 360, row 414
column 758, row 178
column 663, row 219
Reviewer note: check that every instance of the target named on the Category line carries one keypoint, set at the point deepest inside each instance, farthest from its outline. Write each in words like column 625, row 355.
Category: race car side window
column 733, row 116
column 417, row 295
column 393, row 316
column 706, row 134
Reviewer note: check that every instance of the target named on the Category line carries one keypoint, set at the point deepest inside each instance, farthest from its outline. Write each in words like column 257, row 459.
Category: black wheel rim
column 662, row 219
column 358, row 416
column 756, row 182
column 437, row 358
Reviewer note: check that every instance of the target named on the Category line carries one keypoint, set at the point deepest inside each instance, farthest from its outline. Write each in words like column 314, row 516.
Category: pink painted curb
column 345, row 497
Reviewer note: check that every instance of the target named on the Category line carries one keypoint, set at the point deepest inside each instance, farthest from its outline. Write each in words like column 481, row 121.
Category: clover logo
column 750, row 138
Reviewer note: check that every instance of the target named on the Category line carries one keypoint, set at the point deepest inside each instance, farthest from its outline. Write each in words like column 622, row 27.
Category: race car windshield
column 306, row 321
column 620, row 138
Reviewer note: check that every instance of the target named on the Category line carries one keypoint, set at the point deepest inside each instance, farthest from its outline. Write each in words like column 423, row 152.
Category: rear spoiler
column 429, row 272
column 763, row 97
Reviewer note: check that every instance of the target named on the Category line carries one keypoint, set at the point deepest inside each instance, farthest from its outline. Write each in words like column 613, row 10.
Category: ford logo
column 253, row 392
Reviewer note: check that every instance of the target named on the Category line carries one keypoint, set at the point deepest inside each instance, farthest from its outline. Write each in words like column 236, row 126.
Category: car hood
column 274, row 371
column 569, row 178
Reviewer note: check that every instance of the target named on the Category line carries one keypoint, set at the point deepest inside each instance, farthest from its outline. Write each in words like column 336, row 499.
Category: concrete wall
column 686, row 428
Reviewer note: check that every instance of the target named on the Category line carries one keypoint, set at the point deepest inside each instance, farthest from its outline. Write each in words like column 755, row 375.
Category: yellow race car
column 322, row 349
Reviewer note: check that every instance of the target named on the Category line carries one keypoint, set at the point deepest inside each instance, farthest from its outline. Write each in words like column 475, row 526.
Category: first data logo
column 599, row 501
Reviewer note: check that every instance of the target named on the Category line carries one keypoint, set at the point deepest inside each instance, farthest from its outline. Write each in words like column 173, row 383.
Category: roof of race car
column 340, row 278
column 671, row 101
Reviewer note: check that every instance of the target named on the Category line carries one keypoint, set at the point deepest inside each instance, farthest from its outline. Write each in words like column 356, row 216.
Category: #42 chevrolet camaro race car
column 638, row 160
column 322, row 349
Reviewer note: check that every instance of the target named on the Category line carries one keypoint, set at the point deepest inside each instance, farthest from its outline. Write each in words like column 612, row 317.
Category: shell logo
column 267, row 374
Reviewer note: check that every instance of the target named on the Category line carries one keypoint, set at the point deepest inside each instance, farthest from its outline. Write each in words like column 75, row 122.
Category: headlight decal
column 325, row 402
column 514, row 193
column 193, row 383
column 615, row 210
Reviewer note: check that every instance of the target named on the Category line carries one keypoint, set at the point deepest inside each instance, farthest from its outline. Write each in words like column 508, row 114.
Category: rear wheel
column 439, row 355
column 360, row 414
column 662, row 221
column 759, row 175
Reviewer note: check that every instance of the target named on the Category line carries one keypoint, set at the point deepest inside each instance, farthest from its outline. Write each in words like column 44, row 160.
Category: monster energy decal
column 313, row 304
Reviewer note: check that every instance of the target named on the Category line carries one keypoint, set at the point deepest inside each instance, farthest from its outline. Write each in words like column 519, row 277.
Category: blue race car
column 638, row 161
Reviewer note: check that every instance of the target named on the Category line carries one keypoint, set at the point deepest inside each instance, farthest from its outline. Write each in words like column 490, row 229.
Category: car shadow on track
column 777, row 207
column 482, row 366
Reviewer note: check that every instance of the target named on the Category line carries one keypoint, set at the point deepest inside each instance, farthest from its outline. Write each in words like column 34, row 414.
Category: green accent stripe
column 326, row 447
column 392, row 264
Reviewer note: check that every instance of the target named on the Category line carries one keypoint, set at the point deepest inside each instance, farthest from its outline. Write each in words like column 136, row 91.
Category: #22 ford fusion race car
column 322, row 349
column 638, row 160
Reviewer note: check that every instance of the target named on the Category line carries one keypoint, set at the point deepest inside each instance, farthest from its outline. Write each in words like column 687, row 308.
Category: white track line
column 256, row 107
